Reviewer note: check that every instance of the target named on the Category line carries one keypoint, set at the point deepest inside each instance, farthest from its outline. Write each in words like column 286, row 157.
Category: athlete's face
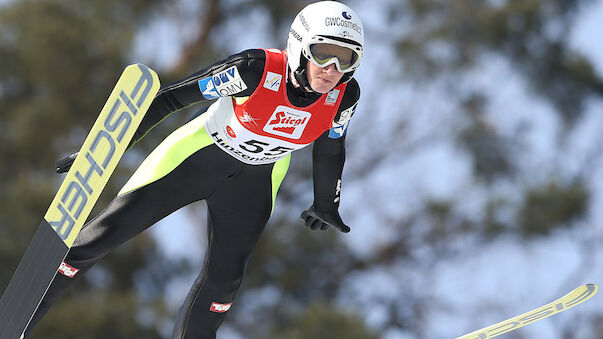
column 322, row 79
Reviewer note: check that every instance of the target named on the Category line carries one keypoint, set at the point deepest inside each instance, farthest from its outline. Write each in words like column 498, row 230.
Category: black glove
column 316, row 219
column 64, row 164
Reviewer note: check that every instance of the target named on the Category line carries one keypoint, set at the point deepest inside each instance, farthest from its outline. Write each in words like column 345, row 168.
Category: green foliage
column 92, row 316
column 323, row 321
column 490, row 151
column 308, row 265
column 308, row 268
column 60, row 60
column 495, row 220
column 520, row 30
column 552, row 206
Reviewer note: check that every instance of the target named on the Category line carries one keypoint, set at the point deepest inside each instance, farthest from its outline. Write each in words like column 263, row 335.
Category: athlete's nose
column 330, row 69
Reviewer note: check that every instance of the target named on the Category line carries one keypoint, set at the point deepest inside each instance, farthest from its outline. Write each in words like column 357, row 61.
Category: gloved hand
column 316, row 219
column 64, row 164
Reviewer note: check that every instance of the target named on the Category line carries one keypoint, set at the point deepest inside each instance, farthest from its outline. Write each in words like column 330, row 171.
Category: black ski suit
column 193, row 164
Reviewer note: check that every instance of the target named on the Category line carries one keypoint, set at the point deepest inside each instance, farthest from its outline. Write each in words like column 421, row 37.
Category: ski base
column 31, row 280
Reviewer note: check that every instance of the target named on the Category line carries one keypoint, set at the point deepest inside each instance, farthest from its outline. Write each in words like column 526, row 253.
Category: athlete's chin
column 323, row 87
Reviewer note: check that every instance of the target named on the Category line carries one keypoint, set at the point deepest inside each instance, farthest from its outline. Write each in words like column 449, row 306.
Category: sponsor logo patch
column 219, row 308
column 340, row 126
column 287, row 122
column 338, row 130
column 302, row 19
column 230, row 132
column 67, row 270
column 332, row 97
column 273, row 81
column 346, row 34
column 336, row 21
column 346, row 115
column 246, row 118
column 225, row 83
column 295, row 35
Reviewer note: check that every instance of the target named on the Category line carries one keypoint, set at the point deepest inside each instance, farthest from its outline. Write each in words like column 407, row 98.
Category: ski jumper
column 235, row 157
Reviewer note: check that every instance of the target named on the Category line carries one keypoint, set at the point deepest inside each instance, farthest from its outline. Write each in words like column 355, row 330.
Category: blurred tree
column 532, row 34
column 436, row 40
column 305, row 270
column 45, row 45
column 450, row 46
column 490, row 152
column 323, row 321
column 551, row 206
column 60, row 60
column 444, row 39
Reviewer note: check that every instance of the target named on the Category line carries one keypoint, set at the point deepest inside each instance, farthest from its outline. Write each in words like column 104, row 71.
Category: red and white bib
column 265, row 127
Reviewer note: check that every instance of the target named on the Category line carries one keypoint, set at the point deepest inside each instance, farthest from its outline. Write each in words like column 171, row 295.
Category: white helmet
column 326, row 22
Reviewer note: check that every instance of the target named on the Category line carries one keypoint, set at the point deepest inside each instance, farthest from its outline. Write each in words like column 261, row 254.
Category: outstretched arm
column 328, row 160
column 244, row 69
column 328, row 157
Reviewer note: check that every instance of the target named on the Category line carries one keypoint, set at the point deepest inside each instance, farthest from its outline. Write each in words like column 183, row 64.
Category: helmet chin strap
column 300, row 79
column 346, row 77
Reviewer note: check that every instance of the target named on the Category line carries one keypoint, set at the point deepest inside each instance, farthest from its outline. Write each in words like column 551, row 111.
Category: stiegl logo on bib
column 287, row 122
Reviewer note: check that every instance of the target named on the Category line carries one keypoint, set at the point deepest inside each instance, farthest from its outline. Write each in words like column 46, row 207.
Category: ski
column 79, row 191
column 573, row 298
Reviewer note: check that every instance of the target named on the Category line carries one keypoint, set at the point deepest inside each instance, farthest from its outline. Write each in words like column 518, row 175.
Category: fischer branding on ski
column 90, row 172
column 99, row 155
column 573, row 298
